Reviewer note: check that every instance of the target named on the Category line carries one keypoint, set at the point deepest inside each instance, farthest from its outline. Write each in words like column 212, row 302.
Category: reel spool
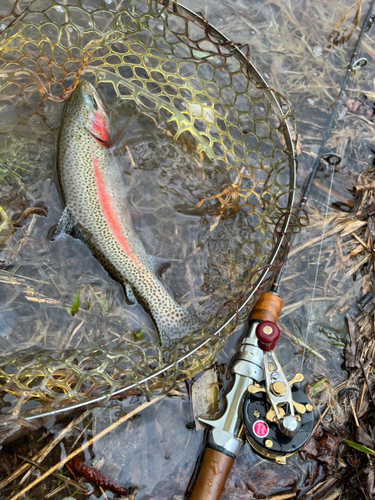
column 262, row 429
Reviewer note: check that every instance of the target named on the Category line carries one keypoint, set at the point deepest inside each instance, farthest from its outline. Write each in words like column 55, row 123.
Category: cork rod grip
column 267, row 308
column 213, row 473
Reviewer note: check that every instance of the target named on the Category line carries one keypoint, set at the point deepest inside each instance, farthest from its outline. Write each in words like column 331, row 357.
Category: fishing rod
column 272, row 413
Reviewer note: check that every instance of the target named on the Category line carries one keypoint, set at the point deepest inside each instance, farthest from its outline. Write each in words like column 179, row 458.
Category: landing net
column 202, row 125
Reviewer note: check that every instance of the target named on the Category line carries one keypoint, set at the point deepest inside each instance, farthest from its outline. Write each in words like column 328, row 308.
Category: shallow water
column 290, row 46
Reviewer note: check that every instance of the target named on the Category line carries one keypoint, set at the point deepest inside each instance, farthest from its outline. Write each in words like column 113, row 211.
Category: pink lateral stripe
column 106, row 205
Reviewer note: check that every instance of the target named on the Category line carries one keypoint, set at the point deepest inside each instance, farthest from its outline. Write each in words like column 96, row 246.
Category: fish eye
column 91, row 101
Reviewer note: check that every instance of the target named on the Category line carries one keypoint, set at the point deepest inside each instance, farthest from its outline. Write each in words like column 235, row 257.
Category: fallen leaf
column 267, row 479
column 321, row 446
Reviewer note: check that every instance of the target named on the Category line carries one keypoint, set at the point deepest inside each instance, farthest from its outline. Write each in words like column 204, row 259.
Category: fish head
column 87, row 110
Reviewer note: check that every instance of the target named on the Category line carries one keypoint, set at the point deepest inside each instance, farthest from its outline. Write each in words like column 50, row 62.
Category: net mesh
column 196, row 112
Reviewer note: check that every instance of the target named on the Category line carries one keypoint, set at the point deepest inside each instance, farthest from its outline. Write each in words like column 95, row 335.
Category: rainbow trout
column 93, row 191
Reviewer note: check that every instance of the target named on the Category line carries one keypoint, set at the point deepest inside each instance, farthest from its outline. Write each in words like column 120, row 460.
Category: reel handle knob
column 267, row 333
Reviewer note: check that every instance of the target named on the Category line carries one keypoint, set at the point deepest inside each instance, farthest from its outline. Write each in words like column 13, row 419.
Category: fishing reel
column 272, row 413
column 277, row 415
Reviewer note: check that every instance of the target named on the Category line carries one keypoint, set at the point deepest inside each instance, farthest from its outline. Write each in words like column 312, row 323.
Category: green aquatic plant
column 75, row 307
column 138, row 335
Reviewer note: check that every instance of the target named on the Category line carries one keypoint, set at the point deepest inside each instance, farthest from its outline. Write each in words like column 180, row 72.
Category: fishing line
column 317, row 270
column 309, row 321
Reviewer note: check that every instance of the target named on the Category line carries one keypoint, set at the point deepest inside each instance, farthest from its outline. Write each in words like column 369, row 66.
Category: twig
column 84, row 446
column 292, row 307
column 365, row 187
column 360, row 240
column 316, row 240
column 354, row 413
column 283, row 496
column 55, row 491
column 358, row 475
column 320, row 419
column 301, row 343
column 361, row 398
column 103, row 493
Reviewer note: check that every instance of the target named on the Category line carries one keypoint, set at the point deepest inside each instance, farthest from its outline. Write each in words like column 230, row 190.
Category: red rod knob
column 267, row 334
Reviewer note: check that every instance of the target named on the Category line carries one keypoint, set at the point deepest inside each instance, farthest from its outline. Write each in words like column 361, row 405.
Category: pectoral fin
column 65, row 225
column 68, row 225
